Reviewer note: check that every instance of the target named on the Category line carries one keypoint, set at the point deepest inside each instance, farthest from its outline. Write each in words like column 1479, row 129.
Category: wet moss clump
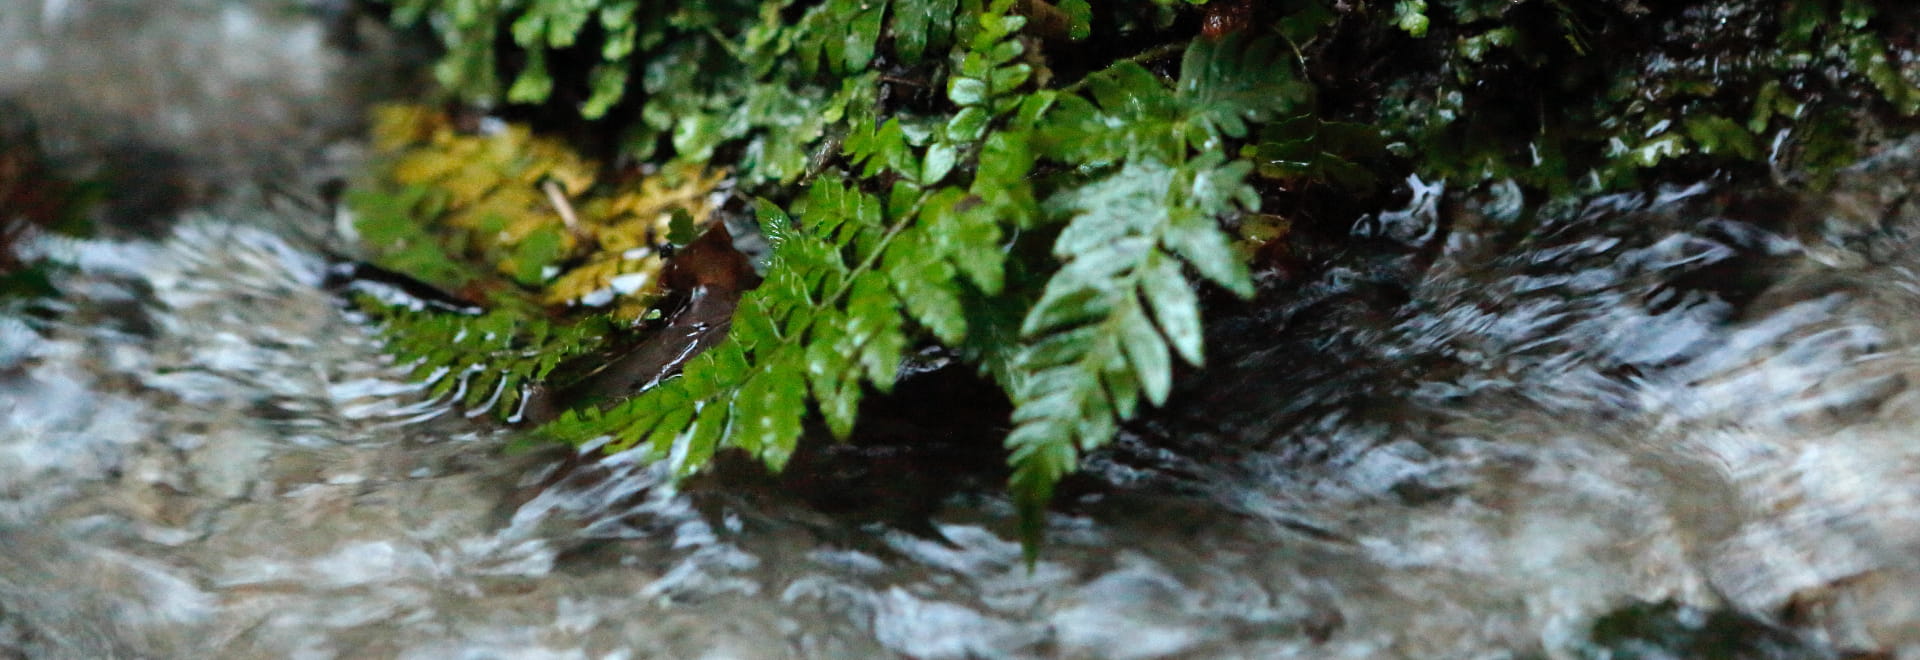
column 1646, row 631
column 36, row 199
column 1570, row 96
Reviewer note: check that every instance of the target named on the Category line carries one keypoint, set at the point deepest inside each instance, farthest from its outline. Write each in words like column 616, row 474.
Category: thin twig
column 559, row 200
column 1148, row 55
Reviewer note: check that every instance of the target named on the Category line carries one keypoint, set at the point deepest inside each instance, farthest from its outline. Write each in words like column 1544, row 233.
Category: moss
column 1669, row 630
column 1599, row 96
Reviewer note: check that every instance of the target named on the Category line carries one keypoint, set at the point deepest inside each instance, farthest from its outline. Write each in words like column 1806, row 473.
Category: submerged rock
column 173, row 104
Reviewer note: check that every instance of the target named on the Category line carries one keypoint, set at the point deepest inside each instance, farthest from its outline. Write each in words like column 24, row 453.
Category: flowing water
column 1677, row 424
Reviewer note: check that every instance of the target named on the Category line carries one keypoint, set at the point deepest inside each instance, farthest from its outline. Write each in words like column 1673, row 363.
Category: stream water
column 1679, row 424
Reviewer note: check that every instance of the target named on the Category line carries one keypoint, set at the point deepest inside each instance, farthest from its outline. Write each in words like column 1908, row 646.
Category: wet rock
column 1647, row 631
column 172, row 106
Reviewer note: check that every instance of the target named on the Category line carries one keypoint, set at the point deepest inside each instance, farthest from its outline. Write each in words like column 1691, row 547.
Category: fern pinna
column 893, row 225
column 484, row 362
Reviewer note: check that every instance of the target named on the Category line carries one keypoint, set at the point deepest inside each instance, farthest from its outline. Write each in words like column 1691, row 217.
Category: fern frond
column 1224, row 84
column 840, row 33
column 523, row 206
column 921, row 26
column 1099, row 338
column 824, row 325
column 492, row 188
column 485, row 362
column 928, row 237
column 1227, row 82
column 931, row 131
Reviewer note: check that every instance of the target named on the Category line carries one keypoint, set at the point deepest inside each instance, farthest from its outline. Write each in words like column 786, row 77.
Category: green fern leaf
column 927, row 284
column 1099, row 337
column 386, row 220
column 487, row 361
column 926, row 233
column 824, row 325
column 840, row 33
column 921, row 26
column 1224, row 84
column 1227, row 82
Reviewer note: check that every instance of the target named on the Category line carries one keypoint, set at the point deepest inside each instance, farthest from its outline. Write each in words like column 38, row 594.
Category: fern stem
column 880, row 248
column 1148, row 55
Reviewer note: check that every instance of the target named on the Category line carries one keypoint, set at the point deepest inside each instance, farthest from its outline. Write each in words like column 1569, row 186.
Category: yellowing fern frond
column 632, row 274
column 491, row 184
column 678, row 186
column 627, row 227
column 527, row 205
